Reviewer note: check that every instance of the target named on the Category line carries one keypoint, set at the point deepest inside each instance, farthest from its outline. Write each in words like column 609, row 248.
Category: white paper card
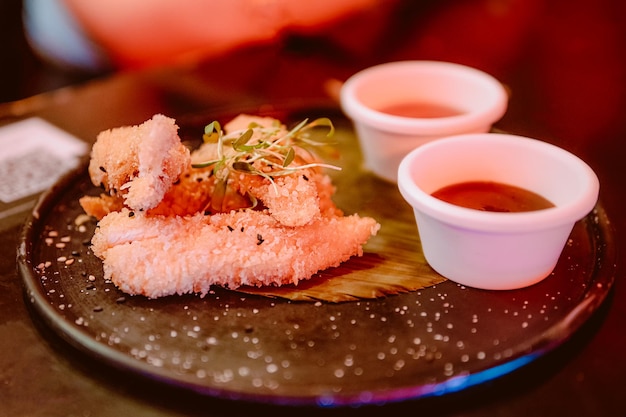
column 34, row 154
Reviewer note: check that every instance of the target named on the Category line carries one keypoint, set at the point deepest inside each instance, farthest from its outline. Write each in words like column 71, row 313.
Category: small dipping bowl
column 397, row 106
column 495, row 250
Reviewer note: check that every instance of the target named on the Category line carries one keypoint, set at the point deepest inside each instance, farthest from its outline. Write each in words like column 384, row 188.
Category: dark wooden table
column 565, row 65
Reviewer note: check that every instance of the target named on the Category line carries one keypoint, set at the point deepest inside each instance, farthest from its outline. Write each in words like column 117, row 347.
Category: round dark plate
column 433, row 341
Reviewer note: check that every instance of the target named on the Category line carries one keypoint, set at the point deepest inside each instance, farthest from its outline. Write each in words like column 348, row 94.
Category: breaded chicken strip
column 157, row 256
column 139, row 163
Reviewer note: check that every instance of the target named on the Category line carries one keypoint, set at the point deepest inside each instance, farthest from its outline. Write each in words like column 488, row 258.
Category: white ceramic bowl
column 386, row 138
column 492, row 250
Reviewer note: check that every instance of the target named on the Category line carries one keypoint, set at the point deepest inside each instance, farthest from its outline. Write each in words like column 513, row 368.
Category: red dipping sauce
column 492, row 196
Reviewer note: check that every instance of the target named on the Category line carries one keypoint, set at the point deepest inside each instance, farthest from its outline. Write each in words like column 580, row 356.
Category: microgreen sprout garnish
column 262, row 151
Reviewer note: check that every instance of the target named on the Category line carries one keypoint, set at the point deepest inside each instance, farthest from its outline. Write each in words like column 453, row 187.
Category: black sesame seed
column 230, row 229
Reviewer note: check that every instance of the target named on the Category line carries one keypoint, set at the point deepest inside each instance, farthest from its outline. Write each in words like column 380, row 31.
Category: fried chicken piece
column 139, row 163
column 101, row 205
column 157, row 256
